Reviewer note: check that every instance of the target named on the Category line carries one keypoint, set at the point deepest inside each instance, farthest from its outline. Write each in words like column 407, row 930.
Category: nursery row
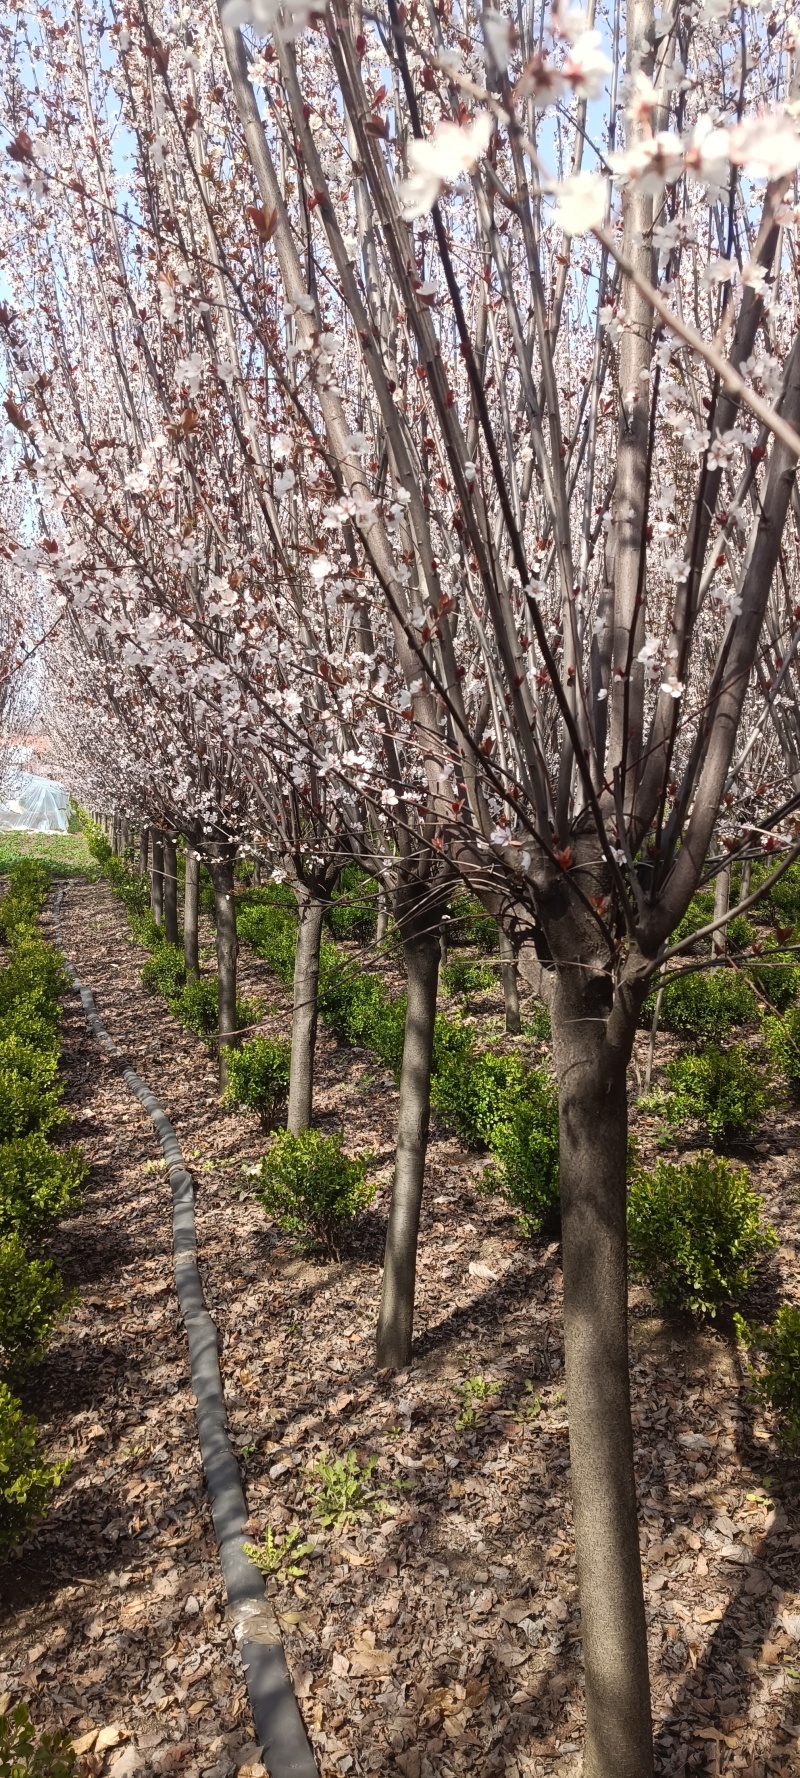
column 695, row 1227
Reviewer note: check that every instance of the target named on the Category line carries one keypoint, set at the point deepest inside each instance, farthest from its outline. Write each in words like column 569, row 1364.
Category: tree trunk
column 170, row 890
column 383, row 917
column 722, row 891
column 221, row 873
column 157, row 877
column 745, row 885
column 396, row 1319
column 304, row 1018
column 191, row 889
column 593, row 1160
column 508, row 971
column 144, row 850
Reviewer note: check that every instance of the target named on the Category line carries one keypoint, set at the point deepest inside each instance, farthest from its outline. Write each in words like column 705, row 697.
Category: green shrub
column 536, row 1023
column 700, row 912
column 26, row 1753
column 777, row 977
column 782, row 1041
column 32, row 1296
column 98, row 846
column 524, row 1149
column 132, row 887
column 313, row 1189
column 34, row 975
column 725, row 1090
column 353, row 914
column 739, row 933
column 784, row 897
column 26, row 1483
column 29, row 1097
column 258, row 1076
column 37, row 1186
column 271, row 928
column 776, row 1382
column 40, row 1027
column 197, row 1005
column 695, row 1232
column 469, row 924
column 462, row 976
column 706, row 1004
column 501, row 1103
column 474, row 1090
column 24, row 898
column 165, row 972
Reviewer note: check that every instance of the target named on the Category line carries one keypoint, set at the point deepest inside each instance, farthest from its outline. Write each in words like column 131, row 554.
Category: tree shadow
column 714, row 1696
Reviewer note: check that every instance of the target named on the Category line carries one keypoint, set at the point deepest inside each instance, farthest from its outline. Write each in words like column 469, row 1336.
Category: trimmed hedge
column 37, row 1185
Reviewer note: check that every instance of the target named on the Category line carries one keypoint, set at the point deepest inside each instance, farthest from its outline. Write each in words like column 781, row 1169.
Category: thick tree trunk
column 593, row 1159
column 170, row 890
column 191, row 894
column 221, row 872
column 383, row 917
column 396, row 1319
column 508, row 971
column 157, row 876
column 722, row 891
column 144, row 850
column 304, row 1019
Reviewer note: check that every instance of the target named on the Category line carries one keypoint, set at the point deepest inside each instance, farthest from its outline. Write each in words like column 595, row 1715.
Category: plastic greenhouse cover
column 35, row 805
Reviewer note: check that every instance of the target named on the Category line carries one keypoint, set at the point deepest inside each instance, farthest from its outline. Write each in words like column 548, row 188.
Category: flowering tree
column 443, row 439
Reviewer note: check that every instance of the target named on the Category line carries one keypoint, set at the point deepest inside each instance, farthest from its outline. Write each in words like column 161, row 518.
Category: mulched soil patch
column 439, row 1633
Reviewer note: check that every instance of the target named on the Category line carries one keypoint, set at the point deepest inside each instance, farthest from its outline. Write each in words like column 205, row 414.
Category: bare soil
column 439, row 1632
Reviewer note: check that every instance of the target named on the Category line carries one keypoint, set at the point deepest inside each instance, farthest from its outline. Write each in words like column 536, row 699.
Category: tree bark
column 157, row 876
column 191, row 894
column 382, row 926
column 170, row 889
column 593, row 1161
column 221, row 873
column 744, row 890
column 722, row 890
column 310, row 912
column 508, row 971
column 144, row 850
column 396, row 1319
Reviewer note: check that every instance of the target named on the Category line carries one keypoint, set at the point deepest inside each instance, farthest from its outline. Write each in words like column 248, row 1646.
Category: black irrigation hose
column 279, row 1726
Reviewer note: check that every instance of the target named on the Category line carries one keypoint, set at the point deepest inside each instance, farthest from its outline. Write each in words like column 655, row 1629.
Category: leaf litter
column 435, row 1629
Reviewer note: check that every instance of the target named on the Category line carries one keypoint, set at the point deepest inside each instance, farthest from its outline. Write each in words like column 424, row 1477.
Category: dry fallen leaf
column 110, row 1737
column 85, row 1743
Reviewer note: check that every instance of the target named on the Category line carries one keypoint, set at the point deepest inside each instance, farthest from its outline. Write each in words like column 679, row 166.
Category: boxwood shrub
column 313, row 1189
column 725, row 1091
column 26, row 1481
column 695, row 1232
column 776, row 1375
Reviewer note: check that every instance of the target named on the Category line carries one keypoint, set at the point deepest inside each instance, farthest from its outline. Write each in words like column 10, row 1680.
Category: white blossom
column 439, row 160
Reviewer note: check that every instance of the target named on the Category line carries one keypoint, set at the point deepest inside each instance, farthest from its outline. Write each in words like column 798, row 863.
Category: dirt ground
column 439, row 1634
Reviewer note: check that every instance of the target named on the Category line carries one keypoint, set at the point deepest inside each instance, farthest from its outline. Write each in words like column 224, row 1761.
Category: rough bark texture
column 221, row 872
column 157, row 877
column 191, row 897
column 722, row 891
column 383, row 917
column 170, row 890
column 304, row 1017
column 144, row 850
column 593, row 1157
column 396, row 1319
column 508, row 970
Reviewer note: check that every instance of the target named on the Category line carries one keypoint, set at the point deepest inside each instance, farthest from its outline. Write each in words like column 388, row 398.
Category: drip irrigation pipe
column 279, row 1726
